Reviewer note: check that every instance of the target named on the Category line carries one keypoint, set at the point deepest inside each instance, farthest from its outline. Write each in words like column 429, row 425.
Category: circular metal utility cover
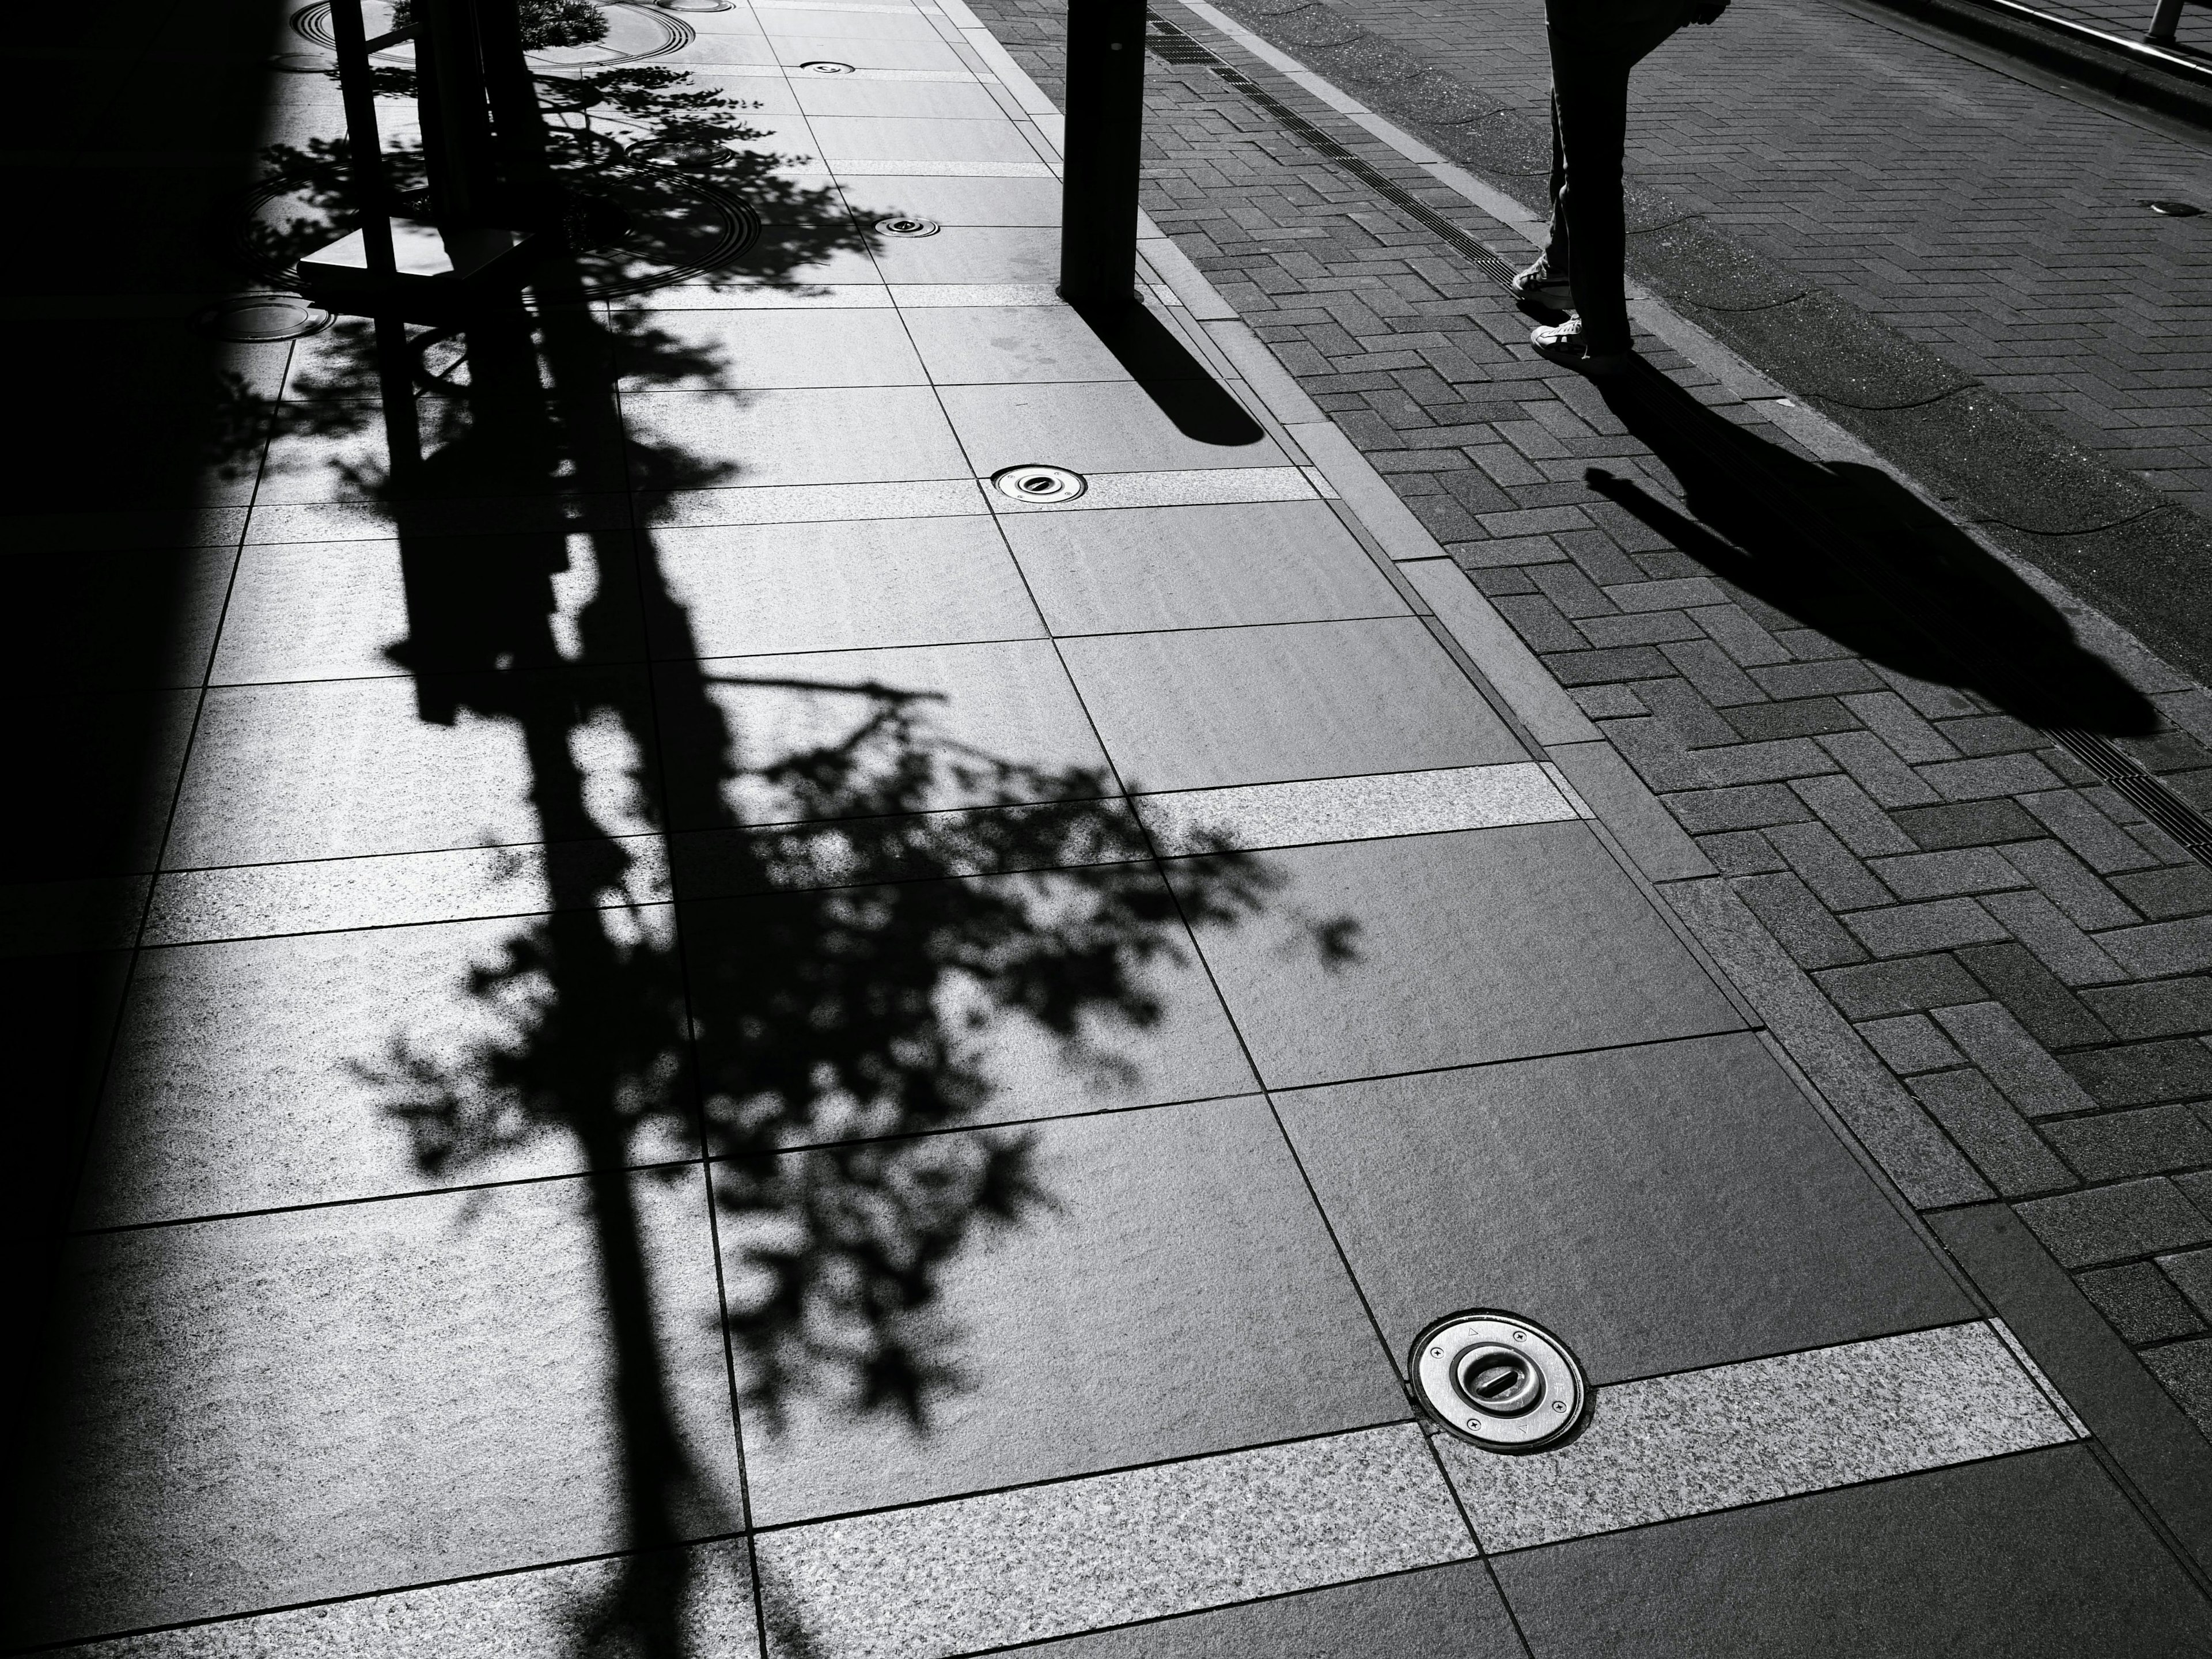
column 1037, row 483
column 827, row 66
column 903, row 225
column 2175, row 210
column 1498, row 1381
column 262, row 317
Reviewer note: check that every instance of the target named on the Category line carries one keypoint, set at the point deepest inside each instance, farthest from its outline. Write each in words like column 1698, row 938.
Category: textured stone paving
column 2022, row 951
column 732, row 1038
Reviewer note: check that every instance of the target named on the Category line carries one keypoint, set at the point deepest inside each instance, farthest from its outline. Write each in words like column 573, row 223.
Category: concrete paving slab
column 1137, row 1545
column 765, row 590
column 1722, row 1438
column 964, row 344
column 1308, row 813
column 799, row 437
column 1004, row 1063
column 1199, row 567
column 975, row 711
column 332, row 610
column 263, row 1074
column 1167, row 1281
column 972, row 253
column 705, row 1593
column 1659, row 1207
column 1489, row 945
column 2032, row 1555
column 749, row 350
column 1191, row 710
column 1452, row 1611
column 220, row 1458
column 1104, row 429
column 952, row 201
column 346, row 767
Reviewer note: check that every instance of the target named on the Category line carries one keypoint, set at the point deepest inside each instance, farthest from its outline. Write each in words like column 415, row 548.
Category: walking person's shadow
column 1847, row 550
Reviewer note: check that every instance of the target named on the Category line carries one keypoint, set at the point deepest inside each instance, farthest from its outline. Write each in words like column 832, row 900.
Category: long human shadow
column 810, row 1013
column 1849, row 552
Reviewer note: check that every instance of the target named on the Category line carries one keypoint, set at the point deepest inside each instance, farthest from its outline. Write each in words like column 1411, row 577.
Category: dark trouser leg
column 1589, row 101
column 1558, row 246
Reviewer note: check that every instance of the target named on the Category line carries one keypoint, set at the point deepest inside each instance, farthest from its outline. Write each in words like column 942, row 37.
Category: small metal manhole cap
column 826, row 66
column 901, row 224
column 1038, row 482
column 1498, row 1381
column 261, row 318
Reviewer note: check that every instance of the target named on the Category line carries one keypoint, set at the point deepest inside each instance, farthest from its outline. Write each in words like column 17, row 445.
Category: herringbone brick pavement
column 1979, row 215
column 1992, row 963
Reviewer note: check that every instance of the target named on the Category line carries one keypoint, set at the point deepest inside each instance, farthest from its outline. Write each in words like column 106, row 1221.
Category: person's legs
column 1594, row 47
column 1558, row 246
column 1590, row 90
column 1544, row 283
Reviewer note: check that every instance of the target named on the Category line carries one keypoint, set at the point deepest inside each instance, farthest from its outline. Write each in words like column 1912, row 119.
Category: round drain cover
column 901, row 225
column 2175, row 210
column 827, row 66
column 261, row 317
column 1498, row 1381
column 1037, row 483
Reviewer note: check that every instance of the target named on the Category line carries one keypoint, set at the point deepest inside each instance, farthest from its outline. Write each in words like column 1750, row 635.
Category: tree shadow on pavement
column 852, row 913
column 1848, row 551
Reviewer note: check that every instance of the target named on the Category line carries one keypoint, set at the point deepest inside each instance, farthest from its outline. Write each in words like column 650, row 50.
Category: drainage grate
column 826, row 66
column 2175, row 210
column 903, row 225
column 1496, row 1380
column 1172, row 45
column 2146, row 793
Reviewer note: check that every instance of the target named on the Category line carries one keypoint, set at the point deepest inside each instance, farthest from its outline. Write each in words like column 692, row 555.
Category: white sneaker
column 1538, row 287
column 1562, row 342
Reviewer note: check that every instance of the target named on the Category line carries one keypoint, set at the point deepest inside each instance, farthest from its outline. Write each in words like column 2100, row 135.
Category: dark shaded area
column 1849, row 551
column 1183, row 387
column 808, row 1039
column 116, row 402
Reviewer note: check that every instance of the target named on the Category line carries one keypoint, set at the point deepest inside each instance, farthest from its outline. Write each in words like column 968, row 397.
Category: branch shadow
column 818, row 1042
column 1849, row 551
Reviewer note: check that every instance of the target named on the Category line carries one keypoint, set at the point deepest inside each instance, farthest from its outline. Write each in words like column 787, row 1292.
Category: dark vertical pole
column 517, row 119
column 363, row 149
column 457, row 140
column 1105, row 121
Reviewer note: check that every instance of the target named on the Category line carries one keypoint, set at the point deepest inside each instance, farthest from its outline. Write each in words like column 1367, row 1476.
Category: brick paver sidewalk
column 1948, row 888
column 1976, row 213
